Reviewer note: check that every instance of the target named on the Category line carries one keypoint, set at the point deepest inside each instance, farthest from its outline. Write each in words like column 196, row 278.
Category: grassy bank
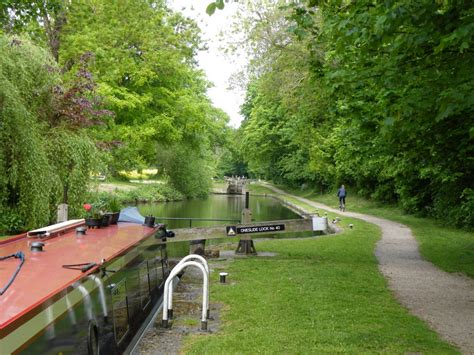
column 448, row 248
column 321, row 295
column 131, row 193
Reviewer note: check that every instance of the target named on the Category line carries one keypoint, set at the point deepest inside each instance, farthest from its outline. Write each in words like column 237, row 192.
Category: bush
column 459, row 211
column 10, row 222
column 150, row 193
column 146, row 193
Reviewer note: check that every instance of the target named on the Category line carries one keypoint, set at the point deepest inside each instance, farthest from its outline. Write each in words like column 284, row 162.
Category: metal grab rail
column 191, row 219
column 103, row 301
column 205, row 290
column 182, row 261
column 87, row 301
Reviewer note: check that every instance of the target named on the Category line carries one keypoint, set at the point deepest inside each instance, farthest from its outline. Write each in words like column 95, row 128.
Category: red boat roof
column 43, row 275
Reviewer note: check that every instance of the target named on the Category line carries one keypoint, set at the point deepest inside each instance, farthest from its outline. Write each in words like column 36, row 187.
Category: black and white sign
column 261, row 229
column 231, row 231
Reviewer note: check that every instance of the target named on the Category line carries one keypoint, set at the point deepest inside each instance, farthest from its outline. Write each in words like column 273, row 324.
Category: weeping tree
column 45, row 154
column 73, row 157
column 26, row 85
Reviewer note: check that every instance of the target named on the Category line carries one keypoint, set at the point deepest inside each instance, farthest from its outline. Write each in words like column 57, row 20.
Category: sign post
column 246, row 246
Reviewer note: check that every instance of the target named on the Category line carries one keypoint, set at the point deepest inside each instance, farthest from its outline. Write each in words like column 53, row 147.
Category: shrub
column 11, row 222
column 114, row 201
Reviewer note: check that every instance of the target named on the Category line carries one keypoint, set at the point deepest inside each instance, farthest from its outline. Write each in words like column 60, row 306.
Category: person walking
column 341, row 193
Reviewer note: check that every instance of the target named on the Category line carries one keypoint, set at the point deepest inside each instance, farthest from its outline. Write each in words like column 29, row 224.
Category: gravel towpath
column 445, row 301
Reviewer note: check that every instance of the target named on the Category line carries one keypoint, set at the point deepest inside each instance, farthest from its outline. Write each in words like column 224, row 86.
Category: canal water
column 220, row 207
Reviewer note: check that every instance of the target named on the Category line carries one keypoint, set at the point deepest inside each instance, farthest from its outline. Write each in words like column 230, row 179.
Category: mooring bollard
column 222, row 277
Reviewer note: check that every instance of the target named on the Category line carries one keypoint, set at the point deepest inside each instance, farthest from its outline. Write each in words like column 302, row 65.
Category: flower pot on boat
column 105, row 220
column 93, row 222
column 113, row 216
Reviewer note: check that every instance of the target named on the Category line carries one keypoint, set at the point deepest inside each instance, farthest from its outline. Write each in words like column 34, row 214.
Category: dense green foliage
column 231, row 161
column 136, row 59
column 377, row 95
column 159, row 192
column 144, row 65
column 145, row 69
column 43, row 159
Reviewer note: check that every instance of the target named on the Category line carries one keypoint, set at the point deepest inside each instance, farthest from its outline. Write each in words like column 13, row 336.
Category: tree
column 42, row 20
column 409, row 121
column 142, row 56
column 145, row 68
column 41, row 153
column 376, row 95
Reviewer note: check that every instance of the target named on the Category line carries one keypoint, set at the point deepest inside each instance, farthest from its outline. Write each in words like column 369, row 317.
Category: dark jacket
column 341, row 192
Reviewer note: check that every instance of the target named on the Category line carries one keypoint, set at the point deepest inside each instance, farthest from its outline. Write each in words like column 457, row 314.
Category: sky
column 218, row 67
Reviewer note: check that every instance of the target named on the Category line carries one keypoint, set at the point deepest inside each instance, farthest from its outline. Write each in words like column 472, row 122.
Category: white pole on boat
column 182, row 261
column 205, row 290
column 103, row 301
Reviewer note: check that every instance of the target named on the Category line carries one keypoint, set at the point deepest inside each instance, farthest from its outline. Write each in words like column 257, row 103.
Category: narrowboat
column 67, row 288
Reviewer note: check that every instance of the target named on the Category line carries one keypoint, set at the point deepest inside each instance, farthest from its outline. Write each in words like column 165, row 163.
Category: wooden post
column 197, row 246
column 246, row 245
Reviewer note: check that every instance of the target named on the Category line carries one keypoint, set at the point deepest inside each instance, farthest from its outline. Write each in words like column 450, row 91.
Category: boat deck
column 43, row 275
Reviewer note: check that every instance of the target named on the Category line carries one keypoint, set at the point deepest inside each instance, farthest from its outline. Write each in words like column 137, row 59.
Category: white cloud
column 218, row 67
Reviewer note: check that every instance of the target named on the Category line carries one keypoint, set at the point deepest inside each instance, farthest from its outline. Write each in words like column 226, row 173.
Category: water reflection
column 214, row 206
column 219, row 207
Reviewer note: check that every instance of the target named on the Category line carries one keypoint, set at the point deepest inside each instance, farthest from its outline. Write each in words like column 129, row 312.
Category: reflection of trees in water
column 144, row 286
column 120, row 310
column 120, row 320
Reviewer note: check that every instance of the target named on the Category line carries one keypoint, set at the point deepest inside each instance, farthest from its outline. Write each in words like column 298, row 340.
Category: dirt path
column 445, row 301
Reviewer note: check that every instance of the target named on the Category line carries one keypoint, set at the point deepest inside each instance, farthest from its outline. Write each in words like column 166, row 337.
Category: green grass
column 259, row 189
column 321, row 295
column 448, row 248
column 115, row 181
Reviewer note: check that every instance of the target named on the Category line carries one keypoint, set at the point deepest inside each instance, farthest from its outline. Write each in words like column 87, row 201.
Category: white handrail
column 70, row 310
column 87, row 301
column 103, row 301
column 182, row 261
column 205, row 290
column 195, row 256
